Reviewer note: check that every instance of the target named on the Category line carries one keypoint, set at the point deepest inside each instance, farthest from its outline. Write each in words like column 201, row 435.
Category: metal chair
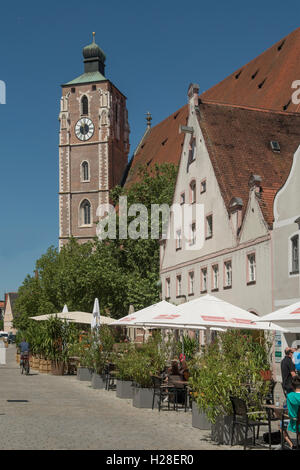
column 109, row 372
column 160, row 391
column 241, row 418
column 269, row 399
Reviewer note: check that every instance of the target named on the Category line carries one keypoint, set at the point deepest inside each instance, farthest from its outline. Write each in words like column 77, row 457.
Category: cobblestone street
column 64, row 413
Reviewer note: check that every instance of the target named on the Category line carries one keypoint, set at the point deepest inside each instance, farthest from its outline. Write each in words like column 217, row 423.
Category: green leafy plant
column 189, row 345
column 95, row 348
column 230, row 366
column 141, row 362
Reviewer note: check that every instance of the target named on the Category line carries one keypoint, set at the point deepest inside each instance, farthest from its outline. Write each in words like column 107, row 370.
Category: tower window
column 84, row 105
column 85, row 174
column 85, row 212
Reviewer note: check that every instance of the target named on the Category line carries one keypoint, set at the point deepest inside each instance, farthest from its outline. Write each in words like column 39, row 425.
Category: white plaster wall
column 224, row 244
column 286, row 210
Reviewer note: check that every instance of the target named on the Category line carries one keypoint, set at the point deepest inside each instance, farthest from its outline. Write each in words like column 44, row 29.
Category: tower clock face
column 84, row 129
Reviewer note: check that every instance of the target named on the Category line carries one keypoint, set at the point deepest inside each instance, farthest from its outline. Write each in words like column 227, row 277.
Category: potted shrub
column 230, row 366
column 147, row 360
column 58, row 336
column 124, row 385
column 103, row 341
column 83, row 350
column 98, row 365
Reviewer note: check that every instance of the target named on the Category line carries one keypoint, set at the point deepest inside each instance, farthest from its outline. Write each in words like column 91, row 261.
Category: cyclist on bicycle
column 24, row 347
column 24, row 357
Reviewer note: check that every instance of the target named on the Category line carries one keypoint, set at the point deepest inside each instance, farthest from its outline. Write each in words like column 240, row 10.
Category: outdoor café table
column 279, row 414
column 176, row 387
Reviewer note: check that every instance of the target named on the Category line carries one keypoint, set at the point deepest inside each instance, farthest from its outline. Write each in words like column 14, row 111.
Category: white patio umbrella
column 74, row 317
column 96, row 315
column 147, row 314
column 286, row 317
column 210, row 312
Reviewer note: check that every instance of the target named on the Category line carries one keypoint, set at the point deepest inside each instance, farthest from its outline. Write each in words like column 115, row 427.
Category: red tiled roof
column 266, row 81
column 238, row 140
column 162, row 144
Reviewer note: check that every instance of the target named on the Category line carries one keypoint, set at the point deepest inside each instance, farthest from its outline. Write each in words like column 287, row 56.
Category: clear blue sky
column 154, row 50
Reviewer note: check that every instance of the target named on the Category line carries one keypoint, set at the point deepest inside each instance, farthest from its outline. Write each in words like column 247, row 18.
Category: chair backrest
column 298, row 420
column 156, row 381
column 239, row 406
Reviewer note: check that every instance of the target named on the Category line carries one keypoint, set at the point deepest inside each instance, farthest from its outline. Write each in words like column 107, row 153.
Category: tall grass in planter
column 227, row 367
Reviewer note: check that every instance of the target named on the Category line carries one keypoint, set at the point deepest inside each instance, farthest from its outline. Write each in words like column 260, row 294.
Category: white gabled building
column 230, row 165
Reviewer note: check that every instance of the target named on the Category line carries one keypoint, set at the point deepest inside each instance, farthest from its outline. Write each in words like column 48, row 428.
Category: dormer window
column 275, row 146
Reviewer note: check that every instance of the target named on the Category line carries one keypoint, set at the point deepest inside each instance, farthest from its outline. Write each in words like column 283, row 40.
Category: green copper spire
column 94, row 64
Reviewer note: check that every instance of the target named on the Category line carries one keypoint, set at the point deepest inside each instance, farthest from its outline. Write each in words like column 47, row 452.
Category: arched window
column 192, row 192
column 294, row 254
column 85, row 174
column 84, row 105
column 85, row 212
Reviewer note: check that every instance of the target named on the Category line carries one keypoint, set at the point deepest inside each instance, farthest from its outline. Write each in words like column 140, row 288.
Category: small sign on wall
column 278, row 347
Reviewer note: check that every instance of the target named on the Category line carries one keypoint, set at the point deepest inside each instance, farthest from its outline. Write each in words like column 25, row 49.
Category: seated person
column 293, row 404
column 174, row 378
column 184, row 371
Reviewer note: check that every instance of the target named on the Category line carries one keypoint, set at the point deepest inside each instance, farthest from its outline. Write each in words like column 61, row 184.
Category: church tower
column 93, row 146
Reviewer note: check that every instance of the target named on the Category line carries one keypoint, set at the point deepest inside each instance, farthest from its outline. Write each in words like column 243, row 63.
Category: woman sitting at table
column 184, row 371
column 293, row 404
column 175, row 378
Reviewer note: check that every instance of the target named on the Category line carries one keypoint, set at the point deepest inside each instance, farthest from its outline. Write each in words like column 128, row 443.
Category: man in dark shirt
column 287, row 371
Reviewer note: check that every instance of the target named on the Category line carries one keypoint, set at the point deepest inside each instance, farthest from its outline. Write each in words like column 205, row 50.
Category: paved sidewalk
column 64, row 413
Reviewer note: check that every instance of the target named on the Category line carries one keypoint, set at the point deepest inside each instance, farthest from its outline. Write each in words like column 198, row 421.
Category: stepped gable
column 239, row 144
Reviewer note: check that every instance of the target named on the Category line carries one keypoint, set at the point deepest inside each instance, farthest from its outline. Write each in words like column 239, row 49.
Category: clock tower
column 93, row 146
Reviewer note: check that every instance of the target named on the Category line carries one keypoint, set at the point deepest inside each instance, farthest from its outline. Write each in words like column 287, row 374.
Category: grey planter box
column 98, row 381
column 221, row 431
column 199, row 419
column 84, row 373
column 142, row 397
column 124, row 389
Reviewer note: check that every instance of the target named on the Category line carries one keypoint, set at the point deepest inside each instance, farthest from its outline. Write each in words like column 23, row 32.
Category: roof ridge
column 250, row 108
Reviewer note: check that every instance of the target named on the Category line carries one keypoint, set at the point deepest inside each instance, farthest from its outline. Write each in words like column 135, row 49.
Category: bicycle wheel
column 21, row 368
column 27, row 368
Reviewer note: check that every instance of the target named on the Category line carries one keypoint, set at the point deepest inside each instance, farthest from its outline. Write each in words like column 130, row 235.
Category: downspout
column 274, row 372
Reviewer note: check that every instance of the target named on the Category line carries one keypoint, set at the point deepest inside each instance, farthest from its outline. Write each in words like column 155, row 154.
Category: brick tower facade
column 93, row 146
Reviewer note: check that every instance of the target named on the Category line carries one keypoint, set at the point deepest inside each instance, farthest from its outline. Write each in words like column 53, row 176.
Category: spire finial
column 148, row 119
column 94, row 36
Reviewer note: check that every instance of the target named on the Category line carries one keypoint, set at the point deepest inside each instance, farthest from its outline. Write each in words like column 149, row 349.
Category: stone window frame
column 82, row 215
column 82, row 179
column 251, row 281
column 293, row 272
